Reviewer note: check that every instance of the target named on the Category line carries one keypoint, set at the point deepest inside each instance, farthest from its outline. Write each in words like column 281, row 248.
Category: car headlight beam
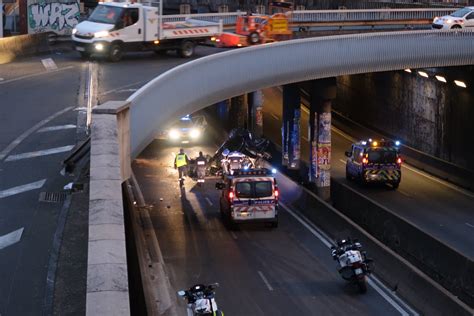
column 174, row 134
column 195, row 133
column 101, row 34
column 99, row 47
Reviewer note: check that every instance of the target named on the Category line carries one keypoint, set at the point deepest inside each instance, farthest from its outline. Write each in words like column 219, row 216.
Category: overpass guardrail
column 309, row 17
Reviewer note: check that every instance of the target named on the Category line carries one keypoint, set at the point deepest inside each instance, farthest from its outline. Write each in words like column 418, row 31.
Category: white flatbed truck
column 117, row 27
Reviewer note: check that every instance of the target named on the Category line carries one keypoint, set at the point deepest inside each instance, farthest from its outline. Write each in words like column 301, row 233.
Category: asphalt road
column 261, row 271
column 37, row 130
column 437, row 207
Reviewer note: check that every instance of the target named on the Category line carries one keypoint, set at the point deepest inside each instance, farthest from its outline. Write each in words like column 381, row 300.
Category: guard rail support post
column 107, row 271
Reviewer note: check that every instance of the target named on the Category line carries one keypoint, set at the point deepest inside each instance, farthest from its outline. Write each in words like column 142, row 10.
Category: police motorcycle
column 201, row 300
column 353, row 264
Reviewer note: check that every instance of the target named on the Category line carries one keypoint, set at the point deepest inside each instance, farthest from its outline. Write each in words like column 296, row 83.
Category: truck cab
column 116, row 27
column 372, row 161
column 249, row 196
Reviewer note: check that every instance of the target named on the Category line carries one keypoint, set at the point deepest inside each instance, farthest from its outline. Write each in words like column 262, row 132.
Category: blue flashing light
column 274, row 170
column 246, row 168
column 397, row 143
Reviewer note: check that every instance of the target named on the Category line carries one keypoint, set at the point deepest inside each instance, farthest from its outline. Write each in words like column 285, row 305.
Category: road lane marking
column 447, row 184
column 265, row 280
column 22, row 188
column 35, row 75
column 325, row 240
column 30, row 131
column 209, row 201
column 49, row 64
column 56, row 128
column 40, row 153
column 233, row 235
column 275, row 116
column 123, row 87
column 11, row 238
column 470, row 225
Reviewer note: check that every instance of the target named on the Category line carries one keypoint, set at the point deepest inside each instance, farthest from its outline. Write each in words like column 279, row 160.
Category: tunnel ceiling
column 205, row 81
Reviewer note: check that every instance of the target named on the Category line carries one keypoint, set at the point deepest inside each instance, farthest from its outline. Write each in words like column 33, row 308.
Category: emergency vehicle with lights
column 116, row 27
column 249, row 196
column 375, row 161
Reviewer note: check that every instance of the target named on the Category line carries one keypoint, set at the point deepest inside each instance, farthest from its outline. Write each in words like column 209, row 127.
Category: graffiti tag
column 58, row 17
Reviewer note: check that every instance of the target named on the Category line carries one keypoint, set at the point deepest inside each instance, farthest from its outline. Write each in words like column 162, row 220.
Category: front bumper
column 91, row 47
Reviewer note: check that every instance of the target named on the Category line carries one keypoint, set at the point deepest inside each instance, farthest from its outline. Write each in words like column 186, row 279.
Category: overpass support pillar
column 238, row 112
column 255, row 108
column 291, row 127
column 323, row 91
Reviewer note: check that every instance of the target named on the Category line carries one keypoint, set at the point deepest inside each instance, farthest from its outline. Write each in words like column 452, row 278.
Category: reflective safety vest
column 180, row 160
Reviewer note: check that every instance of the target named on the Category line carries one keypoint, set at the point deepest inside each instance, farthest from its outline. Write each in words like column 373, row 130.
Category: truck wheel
column 85, row 55
column 254, row 38
column 115, row 53
column 187, row 49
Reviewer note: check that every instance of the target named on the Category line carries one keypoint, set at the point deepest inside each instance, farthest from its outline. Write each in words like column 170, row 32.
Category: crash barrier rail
column 399, row 274
column 445, row 265
column 302, row 18
column 281, row 63
column 107, row 269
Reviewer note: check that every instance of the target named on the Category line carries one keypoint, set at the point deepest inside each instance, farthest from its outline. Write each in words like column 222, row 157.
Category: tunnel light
column 423, row 74
column 408, row 70
column 441, row 78
column 460, row 84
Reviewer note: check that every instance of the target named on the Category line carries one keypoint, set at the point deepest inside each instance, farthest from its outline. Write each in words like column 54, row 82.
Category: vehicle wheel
column 362, row 285
column 187, row 49
column 456, row 27
column 115, row 53
column 85, row 55
column 254, row 38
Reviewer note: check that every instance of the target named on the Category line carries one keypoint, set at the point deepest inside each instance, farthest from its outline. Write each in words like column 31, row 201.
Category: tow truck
column 249, row 195
column 116, row 27
column 375, row 161
column 256, row 29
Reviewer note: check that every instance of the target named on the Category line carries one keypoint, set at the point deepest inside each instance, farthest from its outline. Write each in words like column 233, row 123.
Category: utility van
column 116, row 27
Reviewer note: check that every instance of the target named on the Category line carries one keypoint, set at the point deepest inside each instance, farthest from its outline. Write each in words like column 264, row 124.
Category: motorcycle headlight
column 195, row 133
column 174, row 134
column 101, row 34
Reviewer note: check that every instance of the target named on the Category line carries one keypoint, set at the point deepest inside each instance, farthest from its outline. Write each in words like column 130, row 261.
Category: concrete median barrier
column 23, row 45
column 443, row 264
column 399, row 274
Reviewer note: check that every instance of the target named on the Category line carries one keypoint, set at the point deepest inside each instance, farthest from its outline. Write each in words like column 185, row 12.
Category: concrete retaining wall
column 23, row 45
column 399, row 274
column 442, row 263
column 107, row 276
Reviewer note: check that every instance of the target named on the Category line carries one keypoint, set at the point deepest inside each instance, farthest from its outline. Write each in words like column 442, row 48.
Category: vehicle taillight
column 399, row 160
column 365, row 161
column 231, row 195
column 277, row 193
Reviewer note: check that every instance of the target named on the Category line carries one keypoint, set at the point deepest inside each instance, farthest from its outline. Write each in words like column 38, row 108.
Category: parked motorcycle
column 353, row 264
column 201, row 300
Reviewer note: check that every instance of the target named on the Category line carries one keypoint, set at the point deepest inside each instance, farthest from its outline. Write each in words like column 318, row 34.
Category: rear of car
column 462, row 18
column 374, row 162
column 250, row 198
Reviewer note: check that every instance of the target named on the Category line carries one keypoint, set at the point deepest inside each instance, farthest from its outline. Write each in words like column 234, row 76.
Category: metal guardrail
column 309, row 16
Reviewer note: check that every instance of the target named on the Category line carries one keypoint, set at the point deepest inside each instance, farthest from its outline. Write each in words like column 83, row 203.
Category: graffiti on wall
column 53, row 16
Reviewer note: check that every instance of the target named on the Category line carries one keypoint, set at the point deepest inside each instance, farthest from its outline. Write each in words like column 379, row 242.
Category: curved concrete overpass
column 202, row 82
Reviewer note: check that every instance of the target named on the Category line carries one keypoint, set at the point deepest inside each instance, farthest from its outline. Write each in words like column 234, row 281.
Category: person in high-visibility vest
column 181, row 163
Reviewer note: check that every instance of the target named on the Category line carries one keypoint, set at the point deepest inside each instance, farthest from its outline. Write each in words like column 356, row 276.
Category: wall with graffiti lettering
column 59, row 16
